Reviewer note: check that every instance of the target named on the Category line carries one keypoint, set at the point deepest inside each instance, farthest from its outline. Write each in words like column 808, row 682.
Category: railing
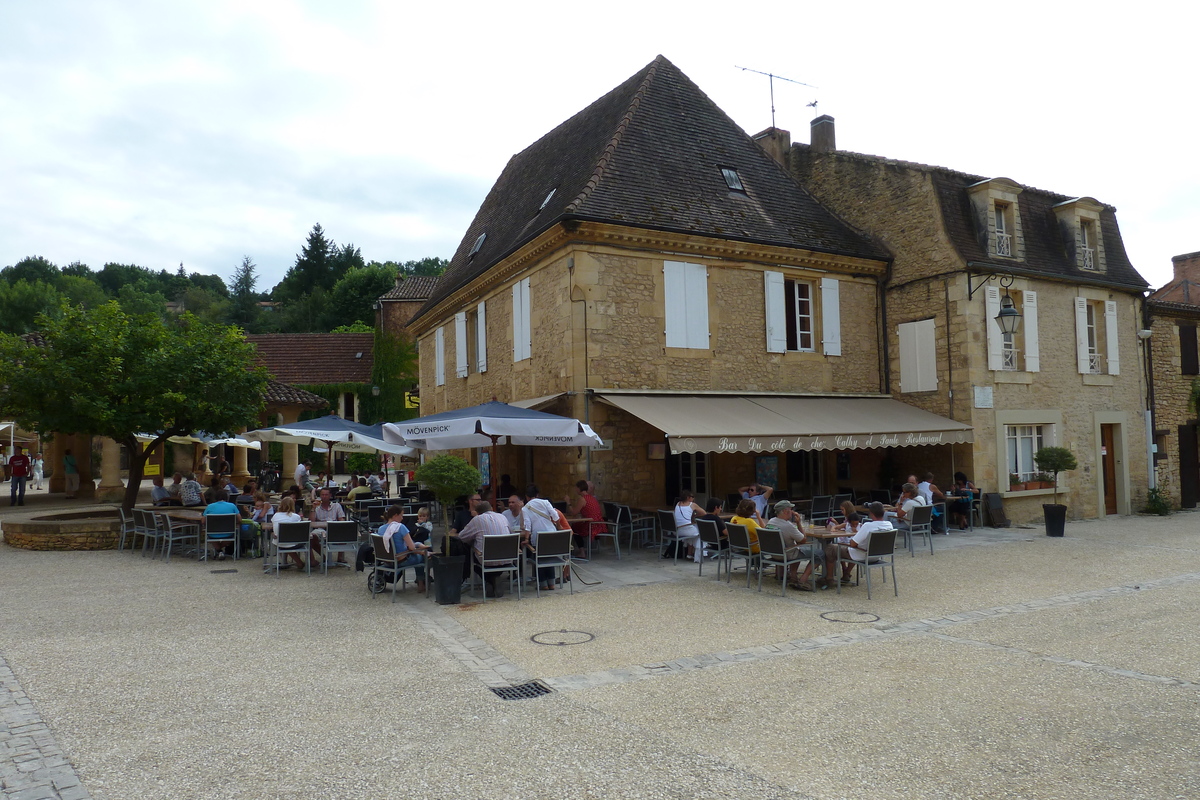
column 1009, row 355
column 1089, row 258
column 1003, row 244
column 1094, row 362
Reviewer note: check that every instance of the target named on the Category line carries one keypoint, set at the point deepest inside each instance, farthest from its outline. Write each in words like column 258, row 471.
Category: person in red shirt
column 18, row 468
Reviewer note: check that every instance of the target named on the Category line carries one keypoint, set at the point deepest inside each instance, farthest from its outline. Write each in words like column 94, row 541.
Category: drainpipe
column 1148, row 371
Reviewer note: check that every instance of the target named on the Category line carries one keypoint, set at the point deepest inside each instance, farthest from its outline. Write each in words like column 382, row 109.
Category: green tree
column 112, row 277
column 312, row 270
column 108, row 373
column 353, row 297
column 135, row 300
column 432, row 266
column 31, row 269
column 81, row 291
column 22, row 301
column 244, row 308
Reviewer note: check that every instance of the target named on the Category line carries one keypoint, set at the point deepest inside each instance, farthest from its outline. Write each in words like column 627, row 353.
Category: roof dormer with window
column 998, row 217
column 1079, row 222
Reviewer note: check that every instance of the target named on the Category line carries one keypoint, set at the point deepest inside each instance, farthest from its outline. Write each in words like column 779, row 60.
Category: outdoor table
column 824, row 536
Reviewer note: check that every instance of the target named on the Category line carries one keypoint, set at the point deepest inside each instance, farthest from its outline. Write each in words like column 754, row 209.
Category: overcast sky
column 198, row 132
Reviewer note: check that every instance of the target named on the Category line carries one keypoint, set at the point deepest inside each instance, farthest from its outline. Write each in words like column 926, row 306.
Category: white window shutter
column 831, row 317
column 460, row 344
column 776, row 305
column 995, row 339
column 675, row 303
column 926, row 355
column 526, row 321
column 516, row 321
column 481, row 338
column 439, row 357
column 1110, row 333
column 908, row 357
column 1081, row 342
column 1029, row 311
column 697, row 306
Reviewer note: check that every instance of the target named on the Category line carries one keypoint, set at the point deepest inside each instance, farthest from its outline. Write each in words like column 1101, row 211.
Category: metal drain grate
column 522, row 691
column 221, row 571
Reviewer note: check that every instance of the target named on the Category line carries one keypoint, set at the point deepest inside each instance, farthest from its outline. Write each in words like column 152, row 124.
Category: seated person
column 485, row 523
column 931, row 494
column 221, row 505
column 175, row 487
column 358, row 491
column 396, row 539
column 263, row 510
column 909, row 499
column 962, row 496
column 854, row 545
column 190, row 492
column 246, row 498
column 287, row 513
column 712, row 513
column 760, row 494
column 847, row 508
column 374, row 483
column 327, row 511
column 785, row 521
column 160, row 495
column 423, row 531
column 747, row 515
column 685, row 512
column 585, row 504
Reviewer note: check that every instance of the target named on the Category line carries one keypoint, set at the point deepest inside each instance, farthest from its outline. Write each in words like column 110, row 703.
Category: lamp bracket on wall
column 1006, row 280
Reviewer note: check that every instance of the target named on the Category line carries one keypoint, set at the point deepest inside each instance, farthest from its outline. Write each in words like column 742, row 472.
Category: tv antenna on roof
column 771, row 79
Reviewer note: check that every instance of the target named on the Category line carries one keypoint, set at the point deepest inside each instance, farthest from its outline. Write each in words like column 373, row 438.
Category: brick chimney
column 1187, row 267
column 821, row 138
column 777, row 142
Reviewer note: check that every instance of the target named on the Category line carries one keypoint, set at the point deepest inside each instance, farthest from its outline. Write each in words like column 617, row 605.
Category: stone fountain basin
column 78, row 530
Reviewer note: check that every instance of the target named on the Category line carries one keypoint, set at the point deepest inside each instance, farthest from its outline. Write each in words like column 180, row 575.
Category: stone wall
column 1171, row 392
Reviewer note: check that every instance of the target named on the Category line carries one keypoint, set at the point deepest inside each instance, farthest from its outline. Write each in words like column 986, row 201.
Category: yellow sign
column 411, row 400
column 150, row 469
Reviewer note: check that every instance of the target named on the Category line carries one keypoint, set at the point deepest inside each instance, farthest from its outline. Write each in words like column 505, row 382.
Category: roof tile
column 316, row 358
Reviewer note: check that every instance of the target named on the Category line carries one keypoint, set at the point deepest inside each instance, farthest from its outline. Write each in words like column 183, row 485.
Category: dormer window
column 998, row 217
column 478, row 244
column 732, row 180
column 1079, row 224
column 546, row 202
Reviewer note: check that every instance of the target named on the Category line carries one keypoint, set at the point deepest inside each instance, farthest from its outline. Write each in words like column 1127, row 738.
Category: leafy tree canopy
column 353, row 297
column 107, row 372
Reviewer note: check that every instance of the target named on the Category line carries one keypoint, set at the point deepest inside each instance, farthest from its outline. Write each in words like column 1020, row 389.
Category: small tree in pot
column 448, row 477
column 1055, row 460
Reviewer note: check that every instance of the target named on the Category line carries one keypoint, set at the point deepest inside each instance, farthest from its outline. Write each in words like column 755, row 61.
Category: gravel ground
column 174, row 681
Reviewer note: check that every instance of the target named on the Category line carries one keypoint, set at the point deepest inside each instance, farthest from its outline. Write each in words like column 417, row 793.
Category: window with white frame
column 1087, row 246
column 439, row 357
column 995, row 202
column 918, row 356
column 1012, row 352
column 1004, row 239
column 522, row 341
column 1023, row 441
column 792, row 318
column 685, row 298
column 461, row 357
column 1096, row 336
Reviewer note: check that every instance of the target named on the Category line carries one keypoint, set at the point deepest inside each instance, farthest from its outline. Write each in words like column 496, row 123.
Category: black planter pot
column 447, row 579
column 1056, row 519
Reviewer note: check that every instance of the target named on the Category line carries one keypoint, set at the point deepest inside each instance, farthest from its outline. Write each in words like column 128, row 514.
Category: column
column 83, row 456
column 241, row 473
column 53, row 456
column 291, row 452
column 111, row 489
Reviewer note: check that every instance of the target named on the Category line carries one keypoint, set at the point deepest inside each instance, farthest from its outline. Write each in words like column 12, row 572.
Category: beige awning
column 774, row 423
column 537, row 403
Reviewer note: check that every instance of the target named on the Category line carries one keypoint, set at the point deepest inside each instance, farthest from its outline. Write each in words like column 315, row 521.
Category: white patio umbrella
column 332, row 431
column 201, row 437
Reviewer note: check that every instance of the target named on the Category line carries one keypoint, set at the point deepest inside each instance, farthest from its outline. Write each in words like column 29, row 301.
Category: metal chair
column 666, row 526
column 881, row 496
column 881, row 552
column 387, row 569
column 500, row 554
column 608, row 529
column 740, row 547
column 976, row 511
column 639, row 523
column 128, row 528
column 293, row 537
column 220, row 530
column 174, row 530
column 773, row 553
column 375, row 517
column 710, row 537
column 145, row 525
column 553, row 550
column 341, row 536
column 821, row 509
column 919, row 523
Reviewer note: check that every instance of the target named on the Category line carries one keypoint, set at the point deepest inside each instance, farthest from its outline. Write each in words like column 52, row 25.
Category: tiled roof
column 1044, row 248
column 1178, row 292
column 648, row 154
column 315, row 358
column 34, row 338
column 283, row 395
column 414, row 287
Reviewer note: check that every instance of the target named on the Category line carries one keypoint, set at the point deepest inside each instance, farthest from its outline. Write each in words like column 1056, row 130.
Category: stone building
column 401, row 303
column 648, row 268
column 962, row 245
column 1173, row 312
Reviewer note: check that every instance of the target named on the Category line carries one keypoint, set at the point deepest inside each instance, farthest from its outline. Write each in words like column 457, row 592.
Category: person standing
column 39, row 471
column 18, row 469
column 4, row 463
column 70, row 474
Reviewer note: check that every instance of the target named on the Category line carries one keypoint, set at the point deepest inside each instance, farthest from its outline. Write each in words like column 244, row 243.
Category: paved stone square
column 1010, row 665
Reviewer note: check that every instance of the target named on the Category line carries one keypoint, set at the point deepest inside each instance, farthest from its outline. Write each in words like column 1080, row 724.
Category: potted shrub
column 1054, row 460
column 1014, row 482
column 448, row 477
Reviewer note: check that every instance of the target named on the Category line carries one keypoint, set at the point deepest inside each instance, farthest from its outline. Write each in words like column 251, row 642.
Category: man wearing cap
column 785, row 521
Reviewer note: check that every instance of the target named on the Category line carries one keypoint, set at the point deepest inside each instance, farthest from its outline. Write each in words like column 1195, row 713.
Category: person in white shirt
column 287, row 513
column 855, row 545
column 517, row 516
column 543, row 518
column 686, row 511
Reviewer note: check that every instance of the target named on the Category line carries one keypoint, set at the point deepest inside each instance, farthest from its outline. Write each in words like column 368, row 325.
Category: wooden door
column 1189, row 466
column 1108, row 460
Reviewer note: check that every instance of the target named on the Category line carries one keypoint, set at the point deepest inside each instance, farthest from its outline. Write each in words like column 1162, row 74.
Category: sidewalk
column 1010, row 665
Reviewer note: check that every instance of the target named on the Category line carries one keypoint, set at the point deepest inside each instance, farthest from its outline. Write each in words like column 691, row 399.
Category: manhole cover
column 849, row 616
column 522, row 691
column 562, row 638
column 222, row 571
